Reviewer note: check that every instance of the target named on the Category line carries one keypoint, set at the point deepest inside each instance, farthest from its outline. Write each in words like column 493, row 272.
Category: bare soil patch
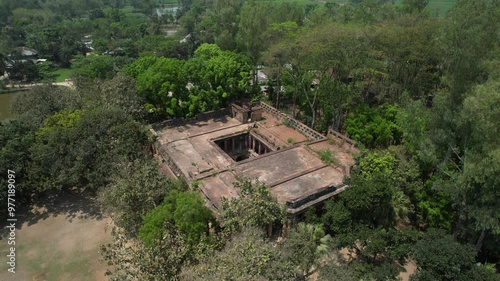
column 280, row 130
column 59, row 239
column 410, row 268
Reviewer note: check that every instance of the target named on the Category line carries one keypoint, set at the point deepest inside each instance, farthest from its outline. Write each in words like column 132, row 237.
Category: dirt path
column 59, row 241
column 410, row 267
column 64, row 84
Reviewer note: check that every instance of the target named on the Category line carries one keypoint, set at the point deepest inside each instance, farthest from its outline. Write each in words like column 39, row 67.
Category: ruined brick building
column 257, row 141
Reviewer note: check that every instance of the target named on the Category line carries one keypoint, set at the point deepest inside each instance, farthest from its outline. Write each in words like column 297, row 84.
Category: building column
column 225, row 145
column 234, row 144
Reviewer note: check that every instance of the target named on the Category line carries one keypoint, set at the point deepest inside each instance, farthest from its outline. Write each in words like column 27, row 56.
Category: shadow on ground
column 70, row 203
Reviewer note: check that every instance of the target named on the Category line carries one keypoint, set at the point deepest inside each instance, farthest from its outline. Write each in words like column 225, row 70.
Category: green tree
column 408, row 63
column 139, row 66
column 163, row 85
column 119, row 93
column 374, row 127
column 218, row 77
column 369, row 200
column 221, row 22
column 190, row 21
column 306, row 245
column 247, row 256
column 94, row 66
column 414, row 121
column 254, row 208
column 372, row 11
column 332, row 271
column 477, row 181
column 83, row 153
column 253, row 23
column 162, row 262
column 16, row 139
column 319, row 64
column 34, row 105
column 161, row 46
column 218, row 68
column 191, row 216
column 469, row 37
column 135, row 189
column 414, row 6
column 386, row 179
column 57, row 41
column 22, row 71
column 63, row 119
column 154, row 222
column 45, row 70
column 3, row 63
column 440, row 257
column 184, row 210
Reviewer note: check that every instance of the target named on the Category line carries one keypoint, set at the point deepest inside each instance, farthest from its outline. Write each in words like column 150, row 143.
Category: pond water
column 5, row 102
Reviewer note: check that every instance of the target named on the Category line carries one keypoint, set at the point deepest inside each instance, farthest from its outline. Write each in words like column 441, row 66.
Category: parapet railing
column 293, row 204
column 342, row 137
column 299, row 126
column 171, row 163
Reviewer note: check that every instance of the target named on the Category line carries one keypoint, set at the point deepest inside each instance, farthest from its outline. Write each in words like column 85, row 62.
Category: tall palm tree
column 401, row 207
column 307, row 244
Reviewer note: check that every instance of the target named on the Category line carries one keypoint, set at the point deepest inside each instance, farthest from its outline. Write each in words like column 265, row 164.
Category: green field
column 437, row 7
column 440, row 6
column 61, row 74
column 135, row 18
column 301, row 2
column 167, row 2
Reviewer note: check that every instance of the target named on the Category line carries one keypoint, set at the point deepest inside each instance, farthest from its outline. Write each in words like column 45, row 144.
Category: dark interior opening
column 242, row 146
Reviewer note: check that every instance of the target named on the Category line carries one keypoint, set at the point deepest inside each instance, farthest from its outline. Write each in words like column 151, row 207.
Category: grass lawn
column 61, row 74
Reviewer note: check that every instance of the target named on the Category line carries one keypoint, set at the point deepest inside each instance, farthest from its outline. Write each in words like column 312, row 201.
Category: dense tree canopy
column 441, row 258
column 248, row 256
column 207, row 81
column 417, row 87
